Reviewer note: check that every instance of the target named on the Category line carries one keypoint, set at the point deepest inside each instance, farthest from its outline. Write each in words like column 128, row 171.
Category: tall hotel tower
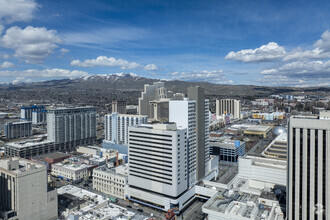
column 72, row 127
column 308, row 188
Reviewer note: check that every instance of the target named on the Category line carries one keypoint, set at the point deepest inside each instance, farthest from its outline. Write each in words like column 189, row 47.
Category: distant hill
column 132, row 82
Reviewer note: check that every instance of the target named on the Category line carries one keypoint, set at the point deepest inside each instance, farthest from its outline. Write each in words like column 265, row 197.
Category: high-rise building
column 202, row 129
column 116, row 126
column 119, row 106
column 231, row 106
column 26, row 111
column 152, row 92
column 18, row 129
column 308, row 187
column 157, row 164
column 72, row 126
column 183, row 113
column 24, row 191
column 39, row 116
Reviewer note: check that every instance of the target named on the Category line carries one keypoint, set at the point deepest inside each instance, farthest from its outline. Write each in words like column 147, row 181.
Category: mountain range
column 133, row 82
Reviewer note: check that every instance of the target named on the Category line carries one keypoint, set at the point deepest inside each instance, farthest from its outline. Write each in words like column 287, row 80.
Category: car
column 129, row 206
column 140, row 210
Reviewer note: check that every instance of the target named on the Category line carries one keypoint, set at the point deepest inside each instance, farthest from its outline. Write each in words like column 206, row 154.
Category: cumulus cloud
column 112, row 62
column 324, row 42
column 64, row 51
column 210, row 76
column 31, row 44
column 6, row 65
column 45, row 73
column 17, row 10
column 151, row 67
column 20, row 79
column 269, row 52
column 302, row 68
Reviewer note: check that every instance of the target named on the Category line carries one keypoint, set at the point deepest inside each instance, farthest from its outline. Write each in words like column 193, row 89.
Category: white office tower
column 231, row 106
column 23, row 191
column 116, row 126
column 152, row 92
column 72, row 126
column 183, row 113
column 308, row 188
column 157, row 165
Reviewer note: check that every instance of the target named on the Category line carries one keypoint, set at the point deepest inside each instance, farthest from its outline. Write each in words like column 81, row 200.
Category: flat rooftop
column 19, row 165
column 29, row 142
column 258, row 128
column 243, row 198
column 97, row 207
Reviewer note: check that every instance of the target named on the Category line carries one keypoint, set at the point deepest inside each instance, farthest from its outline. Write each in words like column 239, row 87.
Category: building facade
column 26, row 111
column 231, row 106
column 308, row 183
column 15, row 130
column 39, row 116
column 228, row 151
column 71, row 172
column 183, row 113
column 72, row 126
column 152, row 92
column 111, row 181
column 116, row 126
column 157, row 162
column 23, row 190
column 202, row 129
column 119, row 106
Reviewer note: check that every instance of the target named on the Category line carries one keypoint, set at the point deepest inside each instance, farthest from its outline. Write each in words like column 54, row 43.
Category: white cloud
column 324, row 42
column 299, row 73
column 20, row 79
column 300, row 54
column 6, row 65
column 210, row 76
column 64, row 50
column 17, row 10
column 112, row 62
column 151, row 67
column 268, row 52
column 45, row 73
column 31, row 44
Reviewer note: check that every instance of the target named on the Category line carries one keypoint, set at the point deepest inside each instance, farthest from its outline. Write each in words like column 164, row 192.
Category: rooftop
column 96, row 207
column 259, row 128
column 19, row 165
column 244, row 198
column 30, row 142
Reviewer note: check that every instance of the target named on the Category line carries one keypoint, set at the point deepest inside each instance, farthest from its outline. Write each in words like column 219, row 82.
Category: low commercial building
column 269, row 116
column 111, row 181
column 24, row 192
column 257, row 192
column 258, row 130
column 76, row 203
column 69, row 171
column 15, row 130
column 263, row 169
column 227, row 150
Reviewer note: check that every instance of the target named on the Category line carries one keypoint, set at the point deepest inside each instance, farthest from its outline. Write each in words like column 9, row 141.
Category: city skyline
column 262, row 43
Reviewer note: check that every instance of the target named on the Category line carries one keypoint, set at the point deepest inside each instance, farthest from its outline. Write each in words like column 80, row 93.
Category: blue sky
column 275, row 43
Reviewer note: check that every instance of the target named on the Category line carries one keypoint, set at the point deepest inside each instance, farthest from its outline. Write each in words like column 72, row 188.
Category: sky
column 260, row 42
